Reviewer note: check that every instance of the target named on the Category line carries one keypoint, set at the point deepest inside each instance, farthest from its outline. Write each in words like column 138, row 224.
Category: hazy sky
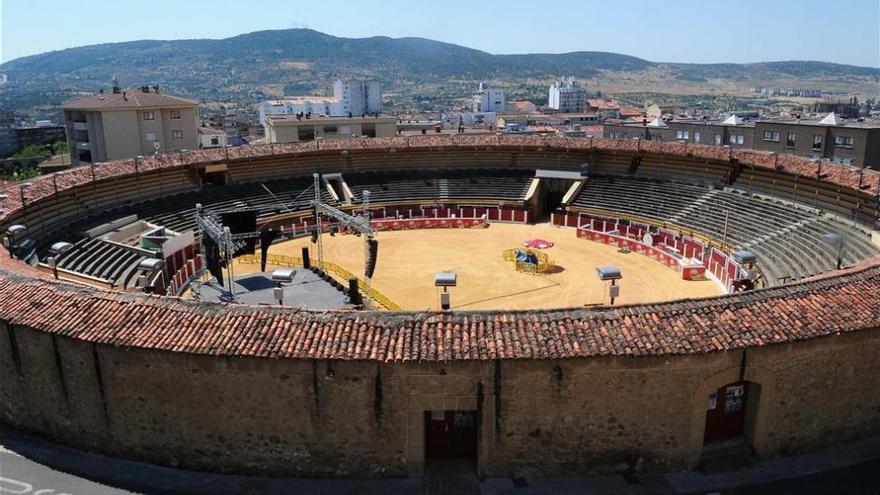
column 844, row 31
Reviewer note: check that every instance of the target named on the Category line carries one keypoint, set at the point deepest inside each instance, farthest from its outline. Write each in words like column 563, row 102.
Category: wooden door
column 726, row 412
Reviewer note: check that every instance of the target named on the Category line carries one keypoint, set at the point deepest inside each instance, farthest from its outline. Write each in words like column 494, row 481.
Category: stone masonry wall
column 363, row 419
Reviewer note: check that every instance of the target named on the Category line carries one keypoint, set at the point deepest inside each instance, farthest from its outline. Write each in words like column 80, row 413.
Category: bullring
column 349, row 393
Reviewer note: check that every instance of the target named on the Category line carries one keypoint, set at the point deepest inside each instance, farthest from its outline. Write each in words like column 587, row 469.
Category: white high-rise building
column 350, row 96
column 488, row 99
column 358, row 96
column 567, row 96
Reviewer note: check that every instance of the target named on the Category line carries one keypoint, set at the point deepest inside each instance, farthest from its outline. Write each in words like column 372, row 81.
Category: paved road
column 22, row 476
column 853, row 469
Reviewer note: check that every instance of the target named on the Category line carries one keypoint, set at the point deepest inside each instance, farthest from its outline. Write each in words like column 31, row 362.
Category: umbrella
column 537, row 244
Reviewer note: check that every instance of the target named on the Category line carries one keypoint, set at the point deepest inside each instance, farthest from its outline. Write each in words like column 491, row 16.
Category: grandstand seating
column 787, row 237
column 102, row 260
column 471, row 186
column 106, row 261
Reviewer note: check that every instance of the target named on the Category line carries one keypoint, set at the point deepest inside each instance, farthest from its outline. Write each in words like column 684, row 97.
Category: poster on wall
column 734, row 398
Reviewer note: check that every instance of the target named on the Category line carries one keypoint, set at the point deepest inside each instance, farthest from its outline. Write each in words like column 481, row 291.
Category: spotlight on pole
column 613, row 274
column 445, row 279
column 282, row 276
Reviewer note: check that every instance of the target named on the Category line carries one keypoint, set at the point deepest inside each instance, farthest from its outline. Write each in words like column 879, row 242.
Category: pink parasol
column 537, row 244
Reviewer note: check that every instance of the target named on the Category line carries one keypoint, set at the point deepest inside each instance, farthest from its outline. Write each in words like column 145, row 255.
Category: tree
column 60, row 148
column 32, row 151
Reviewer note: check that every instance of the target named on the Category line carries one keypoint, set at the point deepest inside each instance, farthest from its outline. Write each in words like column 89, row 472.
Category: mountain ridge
column 269, row 63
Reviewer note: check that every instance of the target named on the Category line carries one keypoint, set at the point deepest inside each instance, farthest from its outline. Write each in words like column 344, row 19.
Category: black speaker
column 212, row 258
column 305, row 255
column 242, row 222
column 372, row 252
column 354, row 295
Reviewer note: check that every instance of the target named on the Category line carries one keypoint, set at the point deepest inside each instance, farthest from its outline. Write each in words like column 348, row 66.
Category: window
column 657, row 139
column 682, row 134
column 215, row 140
column 817, row 141
column 151, row 136
column 149, row 116
column 717, row 139
column 790, row 139
column 737, row 139
column 177, row 134
column 175, row 114
column 696, row 136
column 771, row 136
column 843, row 141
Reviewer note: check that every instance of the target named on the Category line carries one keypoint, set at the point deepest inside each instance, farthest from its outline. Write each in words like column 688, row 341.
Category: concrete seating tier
column 786, row 236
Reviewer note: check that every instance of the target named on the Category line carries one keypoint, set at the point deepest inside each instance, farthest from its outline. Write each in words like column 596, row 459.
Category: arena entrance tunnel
column 451, row 436
column 552, row 189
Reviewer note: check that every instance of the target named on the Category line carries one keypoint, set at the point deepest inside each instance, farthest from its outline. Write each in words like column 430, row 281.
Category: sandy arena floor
column 408, row 261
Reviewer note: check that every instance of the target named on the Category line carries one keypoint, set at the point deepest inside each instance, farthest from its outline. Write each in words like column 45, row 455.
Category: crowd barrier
column 429, row 223
column 690, row 257
column 185, row 275
column 423, row 216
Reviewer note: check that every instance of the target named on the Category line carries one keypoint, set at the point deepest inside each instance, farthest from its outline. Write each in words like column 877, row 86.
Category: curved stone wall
column 571, row 391
column 361, row 418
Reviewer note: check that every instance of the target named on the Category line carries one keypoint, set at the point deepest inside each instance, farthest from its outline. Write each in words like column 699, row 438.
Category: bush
column 60, row 148
column 32, row 151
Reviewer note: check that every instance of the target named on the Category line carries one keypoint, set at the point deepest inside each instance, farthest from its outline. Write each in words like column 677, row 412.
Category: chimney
column 125, row 96
column 115, row 82
column 156, row 88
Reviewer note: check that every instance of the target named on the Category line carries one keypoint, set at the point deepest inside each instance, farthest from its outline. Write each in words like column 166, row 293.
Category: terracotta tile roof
column 835, row 303
column 630, row 112
column 823, row 307
column 845, row 176
column 603, row 104
column 126, row 100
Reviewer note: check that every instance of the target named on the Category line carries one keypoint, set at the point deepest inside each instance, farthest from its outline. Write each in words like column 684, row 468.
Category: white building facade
column 488, row 99
column 350, row 97
column 357, row 97
column 567, row 96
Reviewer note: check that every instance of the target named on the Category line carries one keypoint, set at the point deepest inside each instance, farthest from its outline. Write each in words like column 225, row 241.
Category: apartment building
column 732, row 131
column 568, row 96
column 294, row 128
column 8, row 137
column 489, row 99
column 353, row 97
column 842, row 141
column 127, row 123
column 848, row 142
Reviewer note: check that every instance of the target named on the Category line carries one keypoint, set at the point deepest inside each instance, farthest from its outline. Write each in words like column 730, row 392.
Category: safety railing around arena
column 690, row 256
column 332, row 268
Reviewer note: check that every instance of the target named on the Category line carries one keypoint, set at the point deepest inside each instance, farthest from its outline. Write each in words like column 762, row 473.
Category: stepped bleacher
column 786, row 237
column 473, row 186
column 106, row 261
column 102, row 260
